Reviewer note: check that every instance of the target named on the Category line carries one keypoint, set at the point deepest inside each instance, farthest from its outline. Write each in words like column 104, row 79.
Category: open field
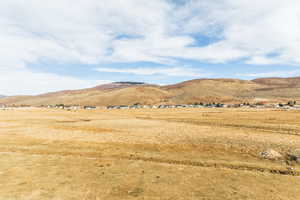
column 148, row 154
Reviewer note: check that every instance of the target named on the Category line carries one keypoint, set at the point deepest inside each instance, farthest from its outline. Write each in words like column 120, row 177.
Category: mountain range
column 188, row 92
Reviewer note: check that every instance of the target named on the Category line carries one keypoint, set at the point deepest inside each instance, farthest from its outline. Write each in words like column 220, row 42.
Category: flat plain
column 211, row 154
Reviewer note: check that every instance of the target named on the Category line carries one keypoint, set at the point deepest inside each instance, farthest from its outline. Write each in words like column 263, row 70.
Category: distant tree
column 259, row 103
column 219, row 105
column 246, row 104
column 291, row 103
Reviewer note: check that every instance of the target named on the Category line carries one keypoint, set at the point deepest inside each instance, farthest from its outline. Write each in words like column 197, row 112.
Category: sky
column 64, row 44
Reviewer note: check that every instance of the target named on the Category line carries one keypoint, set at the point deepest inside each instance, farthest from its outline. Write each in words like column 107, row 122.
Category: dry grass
column 147, row 154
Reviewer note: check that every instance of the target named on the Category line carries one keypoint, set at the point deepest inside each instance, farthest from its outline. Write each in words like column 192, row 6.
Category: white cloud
column 87, row 31
column 242, row 29
column 96, row 32
column 166, row 71
column 25, row 82
column 81, row 31
column 64, row 31
column 272, row 74
column 250, row 29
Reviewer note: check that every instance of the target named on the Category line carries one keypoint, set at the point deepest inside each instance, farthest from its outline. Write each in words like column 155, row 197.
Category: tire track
column 266, row 129
column 214, row 165
column 205, row 164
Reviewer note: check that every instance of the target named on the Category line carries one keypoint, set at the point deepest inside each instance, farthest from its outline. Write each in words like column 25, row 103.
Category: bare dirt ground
column 148, row 154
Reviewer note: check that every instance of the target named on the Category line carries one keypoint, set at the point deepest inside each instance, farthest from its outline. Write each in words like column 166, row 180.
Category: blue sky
column 61, row 44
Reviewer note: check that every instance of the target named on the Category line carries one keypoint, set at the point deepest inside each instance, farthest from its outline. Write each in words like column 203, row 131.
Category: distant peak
column 118, row 85
column 130, row 83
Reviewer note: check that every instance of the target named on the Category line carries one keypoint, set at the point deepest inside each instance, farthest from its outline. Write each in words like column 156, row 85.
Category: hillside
column 279, row 82
column 198, row 90
column 223, row 90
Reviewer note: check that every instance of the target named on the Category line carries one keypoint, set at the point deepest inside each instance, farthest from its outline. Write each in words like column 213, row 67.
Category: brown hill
column 207, row 90
column 14, row 100
column 198, row 90
column 273, row 88
column 279, row 82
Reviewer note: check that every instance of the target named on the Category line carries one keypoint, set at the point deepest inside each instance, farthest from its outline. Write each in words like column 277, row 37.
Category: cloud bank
column 166, row 71
column 159, row 31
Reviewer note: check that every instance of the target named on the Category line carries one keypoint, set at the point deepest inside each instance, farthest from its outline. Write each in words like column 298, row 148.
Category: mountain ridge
column 224, row 90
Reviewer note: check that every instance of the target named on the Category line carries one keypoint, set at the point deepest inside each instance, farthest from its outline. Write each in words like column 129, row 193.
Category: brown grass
column 148, row 154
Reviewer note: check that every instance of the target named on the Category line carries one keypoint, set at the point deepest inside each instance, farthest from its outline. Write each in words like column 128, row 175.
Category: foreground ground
column 148, row 154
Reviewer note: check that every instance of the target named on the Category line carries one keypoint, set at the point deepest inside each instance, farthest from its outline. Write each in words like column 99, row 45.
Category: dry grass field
column 206, row 154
